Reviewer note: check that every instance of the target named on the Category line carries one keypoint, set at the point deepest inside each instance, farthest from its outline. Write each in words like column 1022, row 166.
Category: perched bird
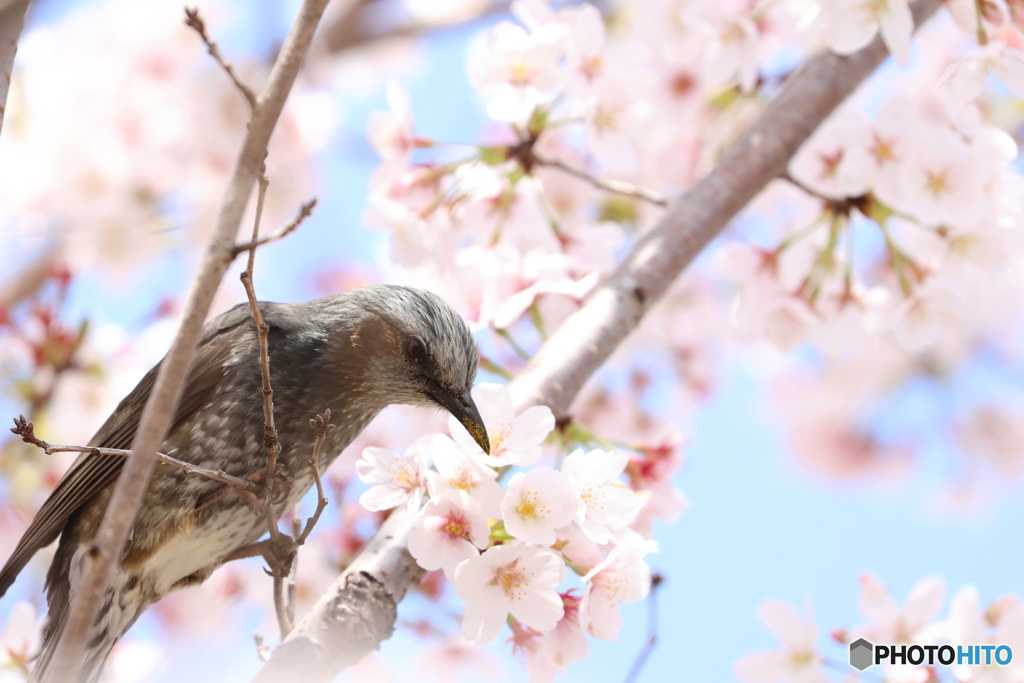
column 354, row 354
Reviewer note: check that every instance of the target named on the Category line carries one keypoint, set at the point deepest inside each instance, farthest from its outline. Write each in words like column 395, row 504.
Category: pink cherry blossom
column 449, row 530
column 538, row 501
column 514, row 578
column 797, row 662
column 888, row 623
column 968, row 624
column 849, row 25
column 514, row 439
column 517, row 71
column 553, row 652
column 623, row 576
column 966, row 77
column 605, row 506
column 456, row 469
column 393, row 479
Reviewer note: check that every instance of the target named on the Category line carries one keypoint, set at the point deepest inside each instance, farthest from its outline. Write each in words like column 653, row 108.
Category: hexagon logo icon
column 861, row 652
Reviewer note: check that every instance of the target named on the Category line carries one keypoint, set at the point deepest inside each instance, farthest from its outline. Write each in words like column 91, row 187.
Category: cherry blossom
column 622, row 576
column 538, row 501
column 966, row 77
column 798, row 660
column 849, row 25
column 890, row 624
column 393, row 479
column 514, row 578
column 515, row 439
column 553, row 652
column 456, row 469
column 516, row 71
column 606, row 507
column 449, row 530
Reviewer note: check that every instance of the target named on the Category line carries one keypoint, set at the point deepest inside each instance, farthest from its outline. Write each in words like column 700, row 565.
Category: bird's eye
column 414, row 350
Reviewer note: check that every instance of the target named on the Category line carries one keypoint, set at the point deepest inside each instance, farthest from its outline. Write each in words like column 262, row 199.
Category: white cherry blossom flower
column 604, row 506
column 517, row 71
column 390, row 133
column 512, row 578
column 623, row 576
column 458, row 470
column 553, row 652
column 850, row 25
column 888, row 623
column 449, row 530
column 798, row 660
column 966, row 77
column 538, row 501
column 515, row 439
column 393, row 479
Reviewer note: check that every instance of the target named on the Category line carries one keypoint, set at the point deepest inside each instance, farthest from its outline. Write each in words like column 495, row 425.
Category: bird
column 353, row 353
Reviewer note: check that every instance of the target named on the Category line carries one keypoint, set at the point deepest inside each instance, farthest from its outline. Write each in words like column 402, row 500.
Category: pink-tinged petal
column 787, row 624
column 762, row 667
column 383, row 498
column 846, row 36
column 481, row 622
column 925, row 601
column 530, row 428
column 539, row 609
column 605, row 619
column 897, row 29
column 1011, row 71
column 875, row 602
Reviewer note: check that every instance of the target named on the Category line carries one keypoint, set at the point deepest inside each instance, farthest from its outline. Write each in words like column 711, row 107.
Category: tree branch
column 12, row 19
column 357, row 612
column 134, row 479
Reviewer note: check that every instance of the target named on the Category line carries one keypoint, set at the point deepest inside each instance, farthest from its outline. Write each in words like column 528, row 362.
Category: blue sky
column 758, row 526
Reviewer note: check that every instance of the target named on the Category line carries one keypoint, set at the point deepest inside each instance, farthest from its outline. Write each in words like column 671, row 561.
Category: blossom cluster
column 506, row 549
column 968, row 622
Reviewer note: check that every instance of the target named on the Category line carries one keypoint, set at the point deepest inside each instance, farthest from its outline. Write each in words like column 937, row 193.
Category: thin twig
column 652, row 629
column 305, row 211
column 133, row 482
column 321, row 424
column 607, row 184
column 195, row 22
column 26, row 430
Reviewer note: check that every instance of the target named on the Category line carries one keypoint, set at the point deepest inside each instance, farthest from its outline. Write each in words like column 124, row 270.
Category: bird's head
column 415, row 349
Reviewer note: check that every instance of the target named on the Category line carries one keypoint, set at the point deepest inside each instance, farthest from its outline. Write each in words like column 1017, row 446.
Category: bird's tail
column 108, row 628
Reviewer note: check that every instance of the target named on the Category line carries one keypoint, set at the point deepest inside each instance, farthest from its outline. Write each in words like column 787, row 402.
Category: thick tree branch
column 134, row 479
column 12, row 19
column 358, row 611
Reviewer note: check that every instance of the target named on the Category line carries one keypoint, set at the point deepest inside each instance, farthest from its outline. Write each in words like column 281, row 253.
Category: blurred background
column 799, row 477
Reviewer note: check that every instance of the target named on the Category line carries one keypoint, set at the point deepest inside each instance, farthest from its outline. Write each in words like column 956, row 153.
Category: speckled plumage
column 346, row 353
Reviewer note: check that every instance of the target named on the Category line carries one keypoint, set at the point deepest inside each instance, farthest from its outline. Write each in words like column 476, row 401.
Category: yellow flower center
column 530, row 508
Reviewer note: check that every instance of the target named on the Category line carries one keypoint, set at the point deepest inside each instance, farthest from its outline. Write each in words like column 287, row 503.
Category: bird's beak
column 465, row 411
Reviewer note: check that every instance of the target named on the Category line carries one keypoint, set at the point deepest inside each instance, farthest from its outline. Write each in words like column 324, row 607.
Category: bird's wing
column 91, row 473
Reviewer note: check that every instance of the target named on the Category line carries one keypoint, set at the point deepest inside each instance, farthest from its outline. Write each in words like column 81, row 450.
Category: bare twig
column 607, row 184
column 321, row 424
column 358, row 611
column 133, row 481
column 652, row 629
column 195, row 22
column 305, row 211
column 26, row 430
